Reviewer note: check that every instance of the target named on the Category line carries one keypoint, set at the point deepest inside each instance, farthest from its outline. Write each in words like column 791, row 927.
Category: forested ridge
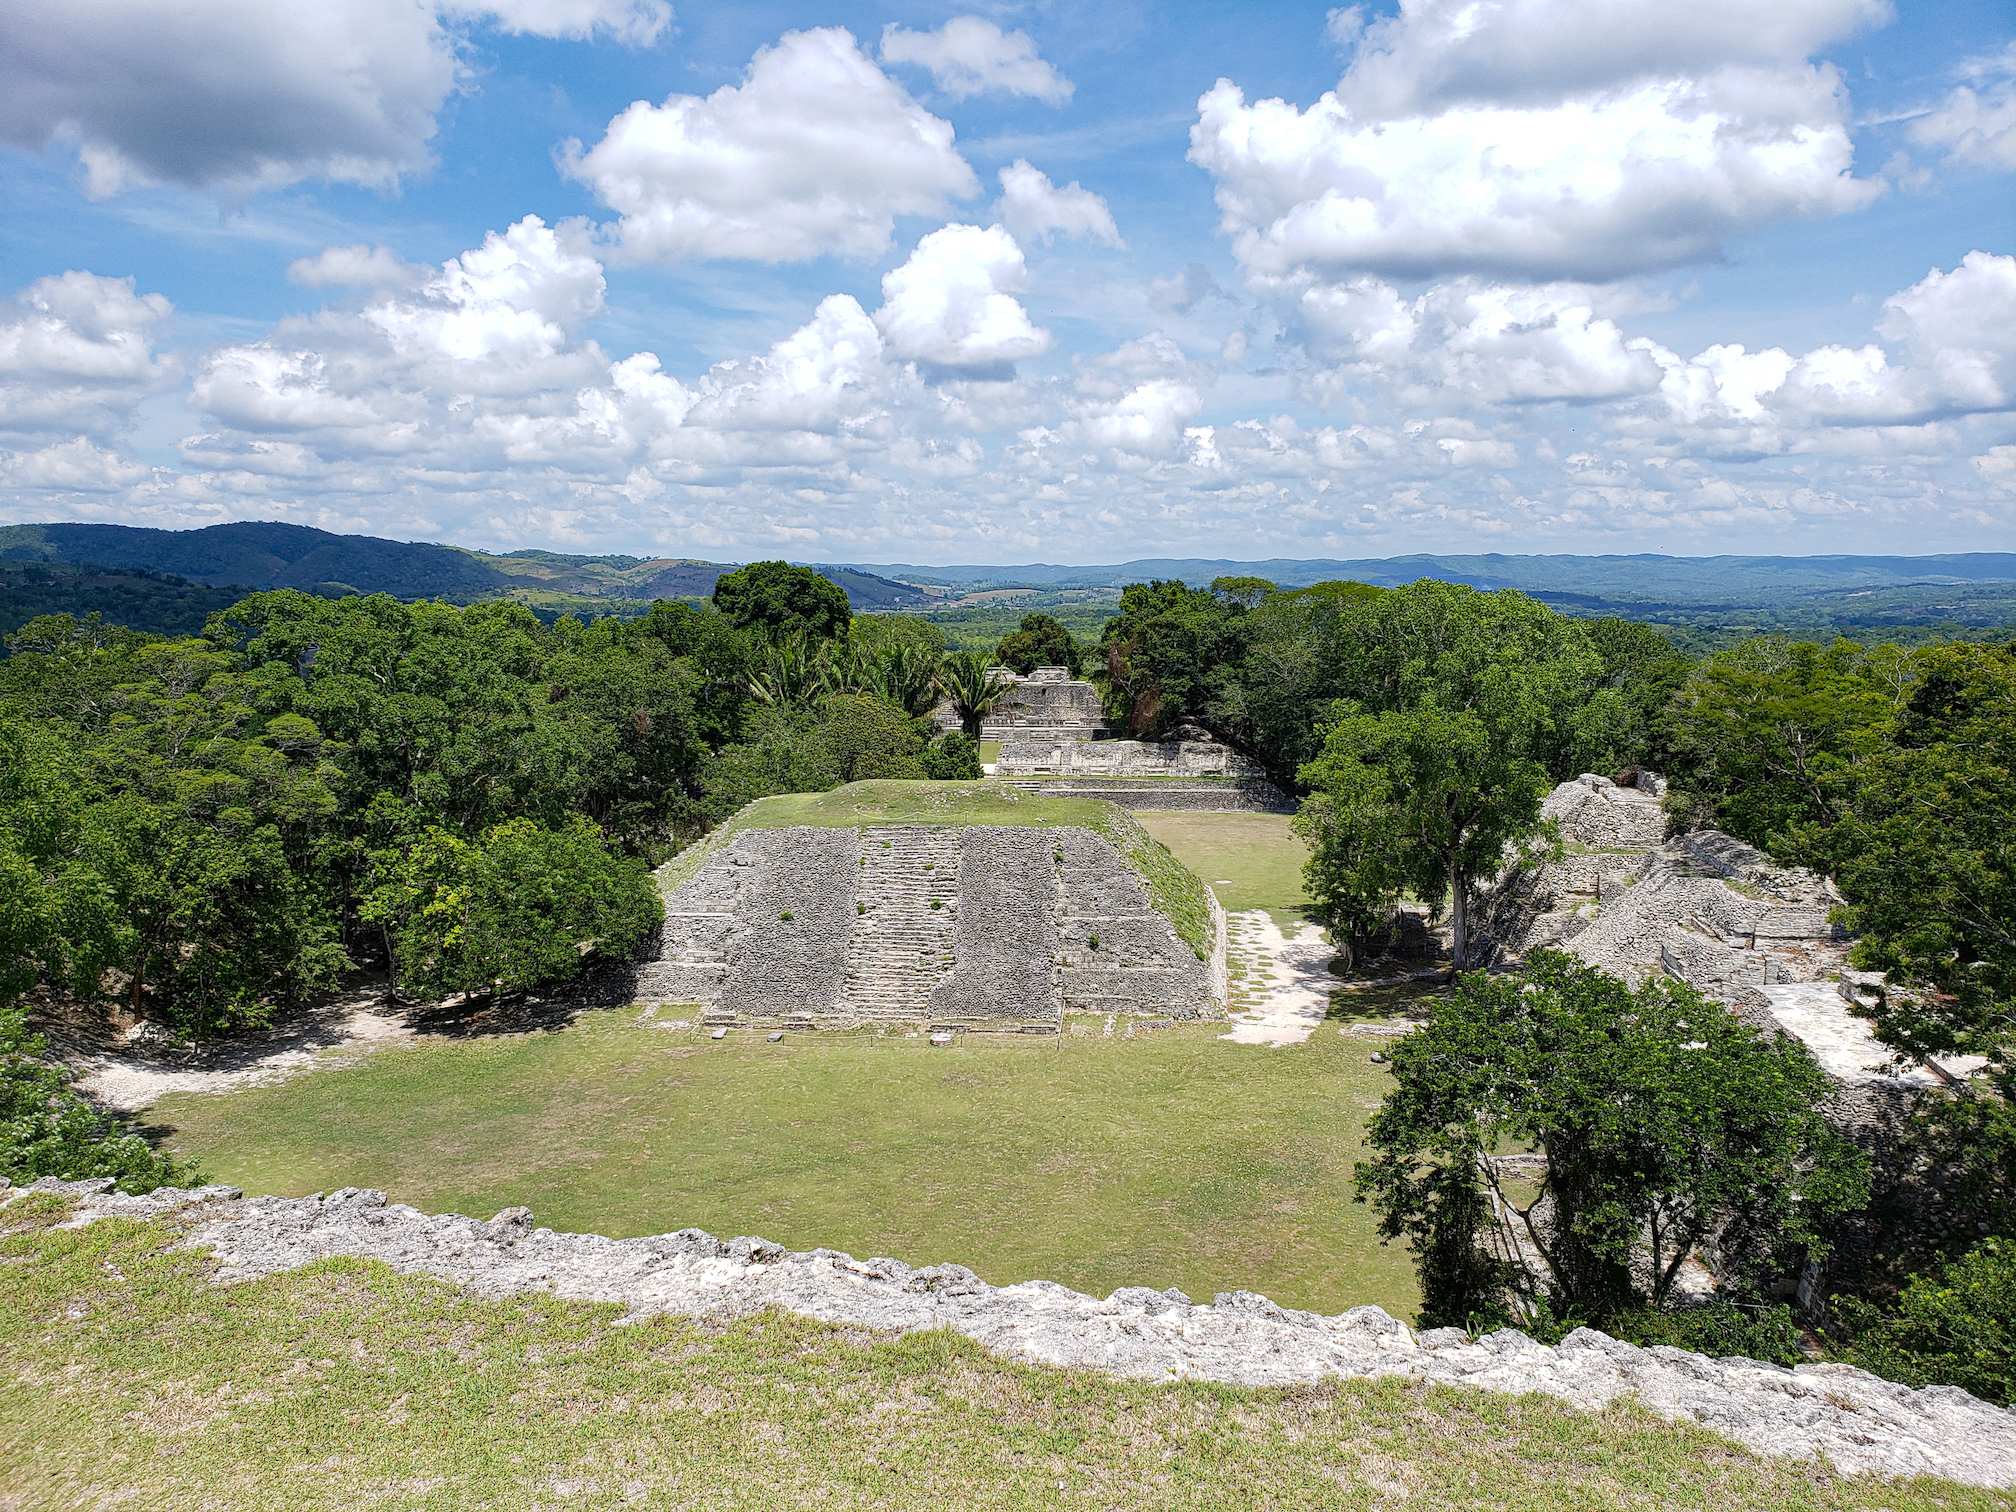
column 202, row 831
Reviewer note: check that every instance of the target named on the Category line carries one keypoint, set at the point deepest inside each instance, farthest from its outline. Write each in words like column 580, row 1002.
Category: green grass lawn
column 1250, row 860
column 1168, row 1159
column 126, row 1379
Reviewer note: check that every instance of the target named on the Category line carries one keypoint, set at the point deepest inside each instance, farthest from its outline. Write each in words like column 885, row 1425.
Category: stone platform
column 1203, row 794
column 978, row 927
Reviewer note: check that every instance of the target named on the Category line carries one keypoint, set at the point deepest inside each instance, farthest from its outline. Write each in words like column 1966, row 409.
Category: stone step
column 901, row 945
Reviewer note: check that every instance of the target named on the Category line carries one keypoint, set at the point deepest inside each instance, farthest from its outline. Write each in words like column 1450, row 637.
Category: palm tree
column 789, row 674
column 975, row 689
column 844, row 667
column 907, row 675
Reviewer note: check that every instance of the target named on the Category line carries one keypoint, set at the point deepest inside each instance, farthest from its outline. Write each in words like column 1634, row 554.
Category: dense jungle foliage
column 202, row 830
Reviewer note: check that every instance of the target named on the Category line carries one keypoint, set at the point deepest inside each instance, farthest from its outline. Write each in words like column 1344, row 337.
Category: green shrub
column 870, row 737
column 1757, row 1331
column 524, row 907
column 1955, row 1327
column 953, row 757
column 46, row 1129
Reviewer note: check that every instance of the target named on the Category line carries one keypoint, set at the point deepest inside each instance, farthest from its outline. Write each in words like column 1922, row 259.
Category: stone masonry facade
column 1048, row 704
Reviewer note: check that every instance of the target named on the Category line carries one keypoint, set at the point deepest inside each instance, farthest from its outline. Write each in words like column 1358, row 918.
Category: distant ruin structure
column 1049, row 703
column 1142, row 774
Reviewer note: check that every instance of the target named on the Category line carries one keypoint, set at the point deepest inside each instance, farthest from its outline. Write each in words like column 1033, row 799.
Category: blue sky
column 595, row 275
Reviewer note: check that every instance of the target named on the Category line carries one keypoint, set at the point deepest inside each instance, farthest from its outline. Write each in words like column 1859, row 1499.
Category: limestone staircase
column 902, row 947
column 699, row 922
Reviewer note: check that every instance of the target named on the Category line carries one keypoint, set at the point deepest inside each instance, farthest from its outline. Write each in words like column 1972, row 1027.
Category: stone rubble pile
column 1862, row 1424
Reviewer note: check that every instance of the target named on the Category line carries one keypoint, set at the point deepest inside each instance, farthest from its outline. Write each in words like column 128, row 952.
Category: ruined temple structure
column 1706, row 909
column 1049, row 704
column 1197, row 773
column 980, row 927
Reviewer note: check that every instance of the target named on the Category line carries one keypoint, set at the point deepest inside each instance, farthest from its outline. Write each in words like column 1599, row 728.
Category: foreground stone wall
column 989, row 926
column 1862, row 1424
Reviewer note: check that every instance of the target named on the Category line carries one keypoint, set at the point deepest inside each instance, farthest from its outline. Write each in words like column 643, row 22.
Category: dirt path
column 332, row 1036
column 1284, row 991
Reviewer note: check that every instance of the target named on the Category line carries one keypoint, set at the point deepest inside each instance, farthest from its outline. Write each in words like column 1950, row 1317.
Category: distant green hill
column 1703, row 602
column 126, row 582
column 156, row 602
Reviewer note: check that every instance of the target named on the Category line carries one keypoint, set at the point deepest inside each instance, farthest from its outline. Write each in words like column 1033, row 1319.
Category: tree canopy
column 778, row 599
column 1040, row 642
column 1665, row 1123
column 1469, row 707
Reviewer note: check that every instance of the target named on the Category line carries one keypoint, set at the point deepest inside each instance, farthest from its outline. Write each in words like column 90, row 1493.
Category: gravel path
column 1290, row 976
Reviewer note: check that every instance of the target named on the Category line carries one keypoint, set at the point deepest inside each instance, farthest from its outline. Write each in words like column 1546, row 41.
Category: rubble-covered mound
column 1709, row 910
column 1863, row 1424
column 1703, row 907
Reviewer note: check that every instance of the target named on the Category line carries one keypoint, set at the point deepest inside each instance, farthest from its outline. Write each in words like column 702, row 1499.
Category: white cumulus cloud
column 244, row 95
column 78, row 465
column 952, row 303
column 640, row 23
column 1035, row 209
column 815, row 152
column 1957, row 335
column 971, row 56
column 1492, row 343
column 76, row 354
column 1977, row 125
column 1540, row 141
column 1437, row 53
column 358, row 267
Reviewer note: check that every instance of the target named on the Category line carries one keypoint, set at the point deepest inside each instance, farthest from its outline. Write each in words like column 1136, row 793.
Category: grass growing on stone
column 860, row 803
column 1176, row 891
column 1170, row 1158
column 1252, row 861
column 126, row 1379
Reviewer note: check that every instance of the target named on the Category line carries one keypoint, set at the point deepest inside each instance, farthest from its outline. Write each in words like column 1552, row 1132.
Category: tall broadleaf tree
column 1472, row 705
column 1665, row 1122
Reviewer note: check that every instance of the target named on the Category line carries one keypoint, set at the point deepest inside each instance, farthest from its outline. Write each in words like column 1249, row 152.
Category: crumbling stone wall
column 1049, row 703
column 1864, row 1425
column 1138, row 965
column 1023, row 757
column 1004, row 945
column 787, row 953
column 1702, row 907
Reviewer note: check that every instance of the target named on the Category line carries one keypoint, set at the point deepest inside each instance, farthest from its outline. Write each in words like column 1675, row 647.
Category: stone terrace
column 984, row 927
